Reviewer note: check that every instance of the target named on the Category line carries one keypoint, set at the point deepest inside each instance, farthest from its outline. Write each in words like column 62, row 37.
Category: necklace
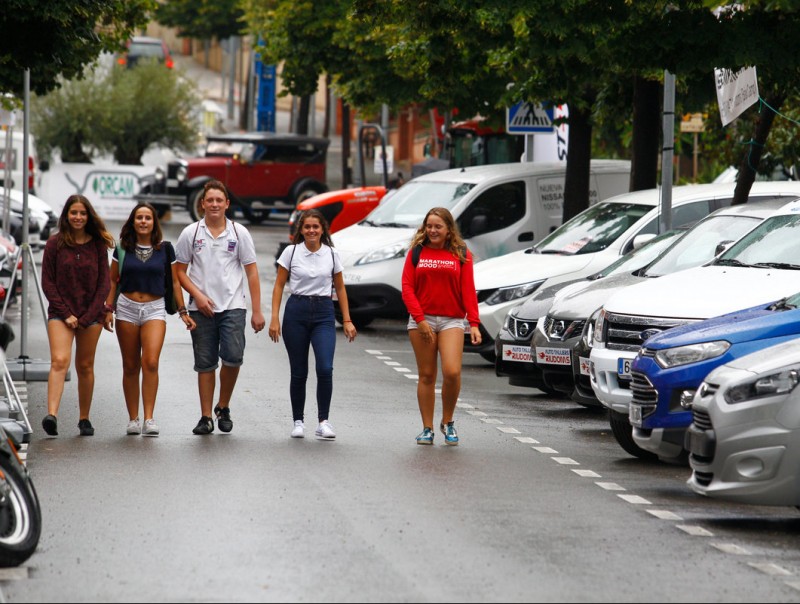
column 143, row 253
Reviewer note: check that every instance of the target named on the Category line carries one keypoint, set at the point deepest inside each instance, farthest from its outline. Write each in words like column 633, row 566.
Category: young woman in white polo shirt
column 313, row 271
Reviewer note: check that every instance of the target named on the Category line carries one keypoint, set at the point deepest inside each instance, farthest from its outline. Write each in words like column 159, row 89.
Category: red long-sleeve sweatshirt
column 440, row 285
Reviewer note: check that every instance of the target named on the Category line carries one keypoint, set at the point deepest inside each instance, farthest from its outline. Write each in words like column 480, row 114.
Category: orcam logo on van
column 113, row 185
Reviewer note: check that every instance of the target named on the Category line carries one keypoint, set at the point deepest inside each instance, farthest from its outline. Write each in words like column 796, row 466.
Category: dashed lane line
column 665, row 515
column 768, row 568
column 508, row 430
column 587, row 473
column 731, row 548
column 695, row 531
column 635, row 499
column 610, row 486
column 565, row 461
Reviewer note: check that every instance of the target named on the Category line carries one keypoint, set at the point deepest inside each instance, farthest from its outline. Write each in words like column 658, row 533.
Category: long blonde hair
column 455, row 243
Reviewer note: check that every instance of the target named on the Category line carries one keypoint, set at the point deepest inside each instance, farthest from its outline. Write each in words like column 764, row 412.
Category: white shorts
column 439, row 323
column 140, row 313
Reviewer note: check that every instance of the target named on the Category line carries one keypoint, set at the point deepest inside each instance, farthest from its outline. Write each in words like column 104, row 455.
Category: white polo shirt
column 216, row 263
column 310, row 273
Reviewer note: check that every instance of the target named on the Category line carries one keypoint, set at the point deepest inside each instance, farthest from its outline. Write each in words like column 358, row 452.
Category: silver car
column 744, row 441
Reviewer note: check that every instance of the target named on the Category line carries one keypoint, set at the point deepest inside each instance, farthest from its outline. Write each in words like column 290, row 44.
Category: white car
column 764, row 265
column 39, row 211
column 587, row 243
column 744, row 440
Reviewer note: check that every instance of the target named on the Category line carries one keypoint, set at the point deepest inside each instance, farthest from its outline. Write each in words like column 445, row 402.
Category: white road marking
column 635, row 499
column 664, row 514
column 695, row 531
column 793, row 584
column 565, row 461
column 610, row 486
column 508, row 430
column 587, row 473
column 477, row 413
column 412, row 376
column 389, row 363
column 373, row 351
column 544, row 450
column 770, row 569
column 731, row 548
column 466, row 405
column 490, row 420
column 382, row 358
column 14, row 574
column 402, row 369
column 527, row 440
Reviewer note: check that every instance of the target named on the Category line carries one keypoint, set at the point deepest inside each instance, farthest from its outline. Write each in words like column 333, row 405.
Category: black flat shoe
column 50, row 425
column 85, row 426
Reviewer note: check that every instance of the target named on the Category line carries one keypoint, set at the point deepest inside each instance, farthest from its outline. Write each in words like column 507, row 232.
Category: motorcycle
column 20, row 512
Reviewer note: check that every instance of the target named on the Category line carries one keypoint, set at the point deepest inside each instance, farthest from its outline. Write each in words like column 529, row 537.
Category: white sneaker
column 325, row 430
column 150, row 428
column 134, row 427
column 298, row 430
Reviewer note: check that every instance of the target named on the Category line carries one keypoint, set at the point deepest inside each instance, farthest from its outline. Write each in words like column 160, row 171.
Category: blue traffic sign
column 529, row 118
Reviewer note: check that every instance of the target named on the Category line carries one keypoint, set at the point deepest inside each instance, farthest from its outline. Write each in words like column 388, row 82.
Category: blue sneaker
column 450, row 434
column 425, row 437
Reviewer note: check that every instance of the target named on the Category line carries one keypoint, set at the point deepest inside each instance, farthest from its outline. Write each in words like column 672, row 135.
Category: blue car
column 672, row 365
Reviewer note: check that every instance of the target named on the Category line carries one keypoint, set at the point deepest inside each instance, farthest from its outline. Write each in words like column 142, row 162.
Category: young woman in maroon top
column 75, row 282
column 439, row 293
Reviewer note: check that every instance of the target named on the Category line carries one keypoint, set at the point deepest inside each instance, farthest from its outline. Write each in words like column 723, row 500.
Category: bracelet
column 182, row 308
column 347, row 321
column 108, row 308
column 183, row 312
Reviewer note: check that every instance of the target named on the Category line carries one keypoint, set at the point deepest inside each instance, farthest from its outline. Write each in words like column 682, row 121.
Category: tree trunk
column 347, row 176
column 646, row 134
column 576, row 185
column 302, row 115
column 754, row 151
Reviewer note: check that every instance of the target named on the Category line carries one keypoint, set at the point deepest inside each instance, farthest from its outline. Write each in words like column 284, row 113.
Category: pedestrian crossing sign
column 529, row 118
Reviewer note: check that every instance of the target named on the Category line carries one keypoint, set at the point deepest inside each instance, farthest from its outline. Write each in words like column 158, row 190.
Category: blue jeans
column 218, row 337
column 308, row 321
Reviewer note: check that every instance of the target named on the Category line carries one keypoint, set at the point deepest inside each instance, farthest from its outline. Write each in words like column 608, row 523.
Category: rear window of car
column 146, row 49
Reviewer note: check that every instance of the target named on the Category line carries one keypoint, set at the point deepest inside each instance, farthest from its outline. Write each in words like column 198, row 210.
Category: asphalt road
column 538, row 503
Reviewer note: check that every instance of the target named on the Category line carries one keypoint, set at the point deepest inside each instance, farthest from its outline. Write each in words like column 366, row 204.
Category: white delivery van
column 499, row 208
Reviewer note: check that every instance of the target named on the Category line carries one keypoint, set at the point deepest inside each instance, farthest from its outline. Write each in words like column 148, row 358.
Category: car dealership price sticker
column 519, row 354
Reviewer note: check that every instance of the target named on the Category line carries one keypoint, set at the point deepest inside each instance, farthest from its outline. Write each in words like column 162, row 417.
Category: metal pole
column 528, row 148
column 23, row 343
column 232, row 80
column 667, row 151
column 7, row 178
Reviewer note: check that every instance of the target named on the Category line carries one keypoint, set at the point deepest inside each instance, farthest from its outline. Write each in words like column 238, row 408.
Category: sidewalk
column 215, row 97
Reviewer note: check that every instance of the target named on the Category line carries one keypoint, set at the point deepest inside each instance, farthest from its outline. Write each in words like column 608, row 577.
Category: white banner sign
column 736, row 91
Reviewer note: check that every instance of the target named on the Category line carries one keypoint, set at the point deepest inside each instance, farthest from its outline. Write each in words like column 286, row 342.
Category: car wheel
column 305, row 192
column 623, row 432
column 195, row 205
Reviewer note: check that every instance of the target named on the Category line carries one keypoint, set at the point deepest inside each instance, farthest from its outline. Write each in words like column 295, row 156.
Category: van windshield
column 409, row 205
column 775, row 243
column 593, row 229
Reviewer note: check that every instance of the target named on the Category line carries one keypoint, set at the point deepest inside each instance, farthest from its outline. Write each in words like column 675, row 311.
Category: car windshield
column 775, row 243
column 242, row 149
column 700, row 243
column 642, row 256
column 592, row 230
column 408, row 206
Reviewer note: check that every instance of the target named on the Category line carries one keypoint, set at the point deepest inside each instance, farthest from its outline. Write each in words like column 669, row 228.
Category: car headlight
column 507, row 294
column 693, row 353
column 773, row 384
column 180, row 173
column 587, row 337
column 398, row 250
column 160, row 174
column 598, row 319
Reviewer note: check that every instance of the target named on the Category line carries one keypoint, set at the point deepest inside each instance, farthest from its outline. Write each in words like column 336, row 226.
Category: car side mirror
column 44, row 165
column 479, row 224
column 640, row 240
column 722, row 246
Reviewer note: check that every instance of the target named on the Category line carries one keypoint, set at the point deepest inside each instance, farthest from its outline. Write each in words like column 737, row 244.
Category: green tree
column 119, row 111
column 59, row 38
column 202, row 19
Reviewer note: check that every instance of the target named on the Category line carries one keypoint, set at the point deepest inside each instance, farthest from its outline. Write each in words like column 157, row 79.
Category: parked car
column 499, row 208
column 670, row 367
column 759, row 268
column 745, row 434
column 141, row 48
column 513, row 343
column 262, row 171
column 590, row 241
column 564, row 368
column 16, row 166
column 39, row 212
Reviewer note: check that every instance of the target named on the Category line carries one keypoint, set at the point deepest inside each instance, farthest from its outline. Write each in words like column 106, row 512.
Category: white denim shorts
column 140, row 313
column 439, row 323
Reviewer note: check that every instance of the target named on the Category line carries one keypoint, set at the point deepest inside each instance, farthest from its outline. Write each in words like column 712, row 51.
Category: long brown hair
column 304, row 215
column 455, row 243
column 94, row 224
column 127, row 234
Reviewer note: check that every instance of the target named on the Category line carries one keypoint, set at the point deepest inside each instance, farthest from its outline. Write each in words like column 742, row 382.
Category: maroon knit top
column 75, row 280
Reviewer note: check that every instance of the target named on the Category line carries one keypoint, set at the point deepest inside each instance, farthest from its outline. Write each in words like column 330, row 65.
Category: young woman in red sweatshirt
column 439, row 293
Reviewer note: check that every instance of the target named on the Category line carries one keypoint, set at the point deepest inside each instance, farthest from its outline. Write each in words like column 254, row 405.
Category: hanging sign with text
column 736, row 91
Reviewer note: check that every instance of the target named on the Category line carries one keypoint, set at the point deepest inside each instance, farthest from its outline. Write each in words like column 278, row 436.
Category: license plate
column 517, row 354
column 584, row 365
column 624, row 368
column 635, row 415
column 553, row 356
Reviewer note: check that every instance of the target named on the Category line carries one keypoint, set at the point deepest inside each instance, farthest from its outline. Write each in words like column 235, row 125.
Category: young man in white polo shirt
column 214, row 258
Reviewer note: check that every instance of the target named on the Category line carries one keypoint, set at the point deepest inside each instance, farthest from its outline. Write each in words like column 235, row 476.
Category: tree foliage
column 202, row 19
column 117, row 111
column 59, row 38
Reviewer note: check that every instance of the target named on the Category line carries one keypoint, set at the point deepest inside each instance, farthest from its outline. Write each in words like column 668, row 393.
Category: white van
column 16, row 161
column 499, row 208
